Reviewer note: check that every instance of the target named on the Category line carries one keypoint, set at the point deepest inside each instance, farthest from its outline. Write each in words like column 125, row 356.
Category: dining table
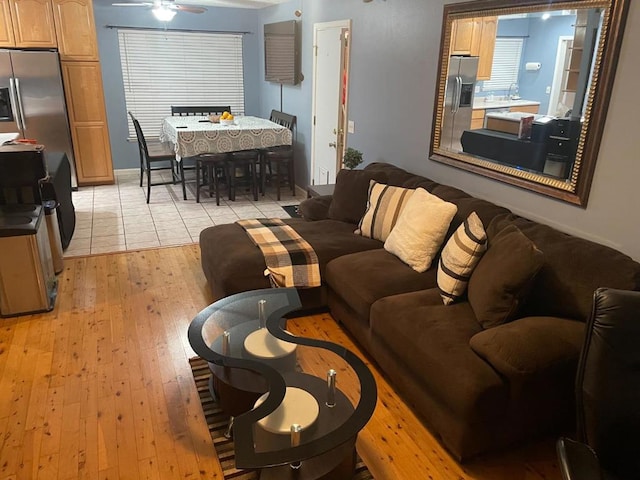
column 197, row 135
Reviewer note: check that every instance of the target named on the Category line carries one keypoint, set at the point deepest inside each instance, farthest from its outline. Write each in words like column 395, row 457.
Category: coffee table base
column 232, row 400
column 322, row 467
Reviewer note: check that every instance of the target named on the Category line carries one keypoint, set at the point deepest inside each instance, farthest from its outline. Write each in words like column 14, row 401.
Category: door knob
column 333, row 144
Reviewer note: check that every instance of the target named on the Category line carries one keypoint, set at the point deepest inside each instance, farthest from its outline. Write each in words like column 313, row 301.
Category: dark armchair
column 607, row 393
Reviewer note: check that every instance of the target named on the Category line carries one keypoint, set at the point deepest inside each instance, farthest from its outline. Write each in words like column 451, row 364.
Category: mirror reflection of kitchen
column 517, row 88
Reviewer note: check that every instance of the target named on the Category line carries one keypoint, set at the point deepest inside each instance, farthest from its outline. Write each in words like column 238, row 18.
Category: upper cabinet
column 75, row 29
column 6, row 28
column 463, row 36
column 33, row 23
column 486, row 46
column 476, row 37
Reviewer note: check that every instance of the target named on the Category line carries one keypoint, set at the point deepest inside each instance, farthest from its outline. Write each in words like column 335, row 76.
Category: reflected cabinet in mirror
column 523, row 89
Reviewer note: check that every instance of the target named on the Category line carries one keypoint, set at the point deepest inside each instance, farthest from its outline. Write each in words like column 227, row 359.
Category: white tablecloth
column 194, row 135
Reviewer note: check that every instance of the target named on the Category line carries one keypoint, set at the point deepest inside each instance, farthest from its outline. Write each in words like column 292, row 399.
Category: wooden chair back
column 142, row 143
column 182, row 111
column 283, row 119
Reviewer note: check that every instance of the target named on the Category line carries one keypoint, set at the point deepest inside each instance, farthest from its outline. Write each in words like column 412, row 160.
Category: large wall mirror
column 523, row 90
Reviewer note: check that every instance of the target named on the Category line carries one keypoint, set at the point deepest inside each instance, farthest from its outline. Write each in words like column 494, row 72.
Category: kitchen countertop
column 479, row 103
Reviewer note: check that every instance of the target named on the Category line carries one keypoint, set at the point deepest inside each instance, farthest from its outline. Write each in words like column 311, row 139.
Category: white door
column 560, row 101
column 329, row 100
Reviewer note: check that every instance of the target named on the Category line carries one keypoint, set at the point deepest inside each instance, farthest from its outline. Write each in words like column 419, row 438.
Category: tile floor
column 114, row 218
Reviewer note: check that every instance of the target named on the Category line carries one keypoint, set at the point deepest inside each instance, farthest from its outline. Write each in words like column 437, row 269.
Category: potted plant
column 352, row 158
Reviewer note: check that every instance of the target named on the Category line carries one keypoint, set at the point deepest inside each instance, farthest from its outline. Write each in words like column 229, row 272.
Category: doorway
column 331, row 45
column 560, row 100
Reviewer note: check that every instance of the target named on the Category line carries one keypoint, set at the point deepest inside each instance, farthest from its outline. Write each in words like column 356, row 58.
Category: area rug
column 217, row 422
column 292, row 210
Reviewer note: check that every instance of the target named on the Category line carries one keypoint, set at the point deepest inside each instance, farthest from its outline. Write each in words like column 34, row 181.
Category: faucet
column 515, row 95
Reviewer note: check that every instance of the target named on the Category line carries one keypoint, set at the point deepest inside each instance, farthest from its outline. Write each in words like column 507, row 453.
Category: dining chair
column 248, row 161
column 210, row 169
column 192, row 110
column 280, row 157
column 154, row 157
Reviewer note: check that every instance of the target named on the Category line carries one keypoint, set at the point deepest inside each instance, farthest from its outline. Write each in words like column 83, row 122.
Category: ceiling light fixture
column 546, row 16
column 163, row 13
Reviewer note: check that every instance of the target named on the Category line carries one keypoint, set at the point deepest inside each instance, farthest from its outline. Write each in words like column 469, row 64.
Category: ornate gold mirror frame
column 574, row 185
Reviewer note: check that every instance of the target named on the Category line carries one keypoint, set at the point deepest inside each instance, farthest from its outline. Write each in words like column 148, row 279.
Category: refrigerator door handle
column 458, row 95
column 454, row 95
column 19, row 101
column 14, row 102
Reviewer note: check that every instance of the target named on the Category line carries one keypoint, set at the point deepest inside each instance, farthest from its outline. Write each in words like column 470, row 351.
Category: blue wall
column 392, row 77
column 124, row 152
column 542, row 47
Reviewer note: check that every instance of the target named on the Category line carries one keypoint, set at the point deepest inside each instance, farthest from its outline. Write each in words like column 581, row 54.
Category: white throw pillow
column 420, row 229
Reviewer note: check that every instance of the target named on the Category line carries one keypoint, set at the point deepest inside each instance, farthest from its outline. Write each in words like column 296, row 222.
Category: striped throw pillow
column 383, row 209
column 459, row 257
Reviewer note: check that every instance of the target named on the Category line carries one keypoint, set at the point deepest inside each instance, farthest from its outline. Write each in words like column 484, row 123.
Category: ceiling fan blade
column 187, row 8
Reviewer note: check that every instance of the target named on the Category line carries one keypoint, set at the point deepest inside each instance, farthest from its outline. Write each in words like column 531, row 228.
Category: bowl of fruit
column 226, row 119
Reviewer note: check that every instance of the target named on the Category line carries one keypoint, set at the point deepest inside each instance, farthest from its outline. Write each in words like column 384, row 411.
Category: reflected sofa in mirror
column 523, row 89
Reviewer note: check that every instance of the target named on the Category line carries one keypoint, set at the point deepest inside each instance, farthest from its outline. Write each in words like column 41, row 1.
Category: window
column 160, row 69
column 506, row 64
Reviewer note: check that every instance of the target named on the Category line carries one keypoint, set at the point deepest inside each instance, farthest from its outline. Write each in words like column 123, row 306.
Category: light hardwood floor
column 101, row 388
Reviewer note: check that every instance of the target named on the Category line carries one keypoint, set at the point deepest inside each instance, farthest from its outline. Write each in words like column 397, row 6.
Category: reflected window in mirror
column 517, row 91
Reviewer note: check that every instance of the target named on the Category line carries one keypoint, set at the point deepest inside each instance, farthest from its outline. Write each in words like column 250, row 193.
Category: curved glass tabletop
column 305, row 413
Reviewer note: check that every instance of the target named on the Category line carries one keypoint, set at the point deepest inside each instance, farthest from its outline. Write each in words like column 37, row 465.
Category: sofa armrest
column 316, row 208
column 530, row 345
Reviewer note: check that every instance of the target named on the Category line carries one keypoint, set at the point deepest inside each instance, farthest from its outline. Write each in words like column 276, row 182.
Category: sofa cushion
column 384, row 205
column 395, row 175
column 486, row 211
column 530, row 345
column 351, row 193
column 433, row 341
column 573, row 269
column 420, row 229
column 315, row 208
column 362, row 278
column 503, row 277
column 459, row 257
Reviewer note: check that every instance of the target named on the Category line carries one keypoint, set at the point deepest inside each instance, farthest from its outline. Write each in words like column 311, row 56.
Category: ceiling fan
column 164, row 10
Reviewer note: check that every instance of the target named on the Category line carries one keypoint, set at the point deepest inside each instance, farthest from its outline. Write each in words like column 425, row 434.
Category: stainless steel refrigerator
column 32, row 100
column 458, row 100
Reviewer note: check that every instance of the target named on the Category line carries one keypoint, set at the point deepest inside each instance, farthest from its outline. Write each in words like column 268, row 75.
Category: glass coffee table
column 289, row 417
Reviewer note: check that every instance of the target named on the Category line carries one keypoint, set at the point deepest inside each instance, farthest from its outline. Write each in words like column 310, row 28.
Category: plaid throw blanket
column 291, row 261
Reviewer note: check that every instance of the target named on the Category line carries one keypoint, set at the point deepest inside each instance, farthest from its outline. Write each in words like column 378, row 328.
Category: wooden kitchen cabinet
column 476, row 37
column 6, row 27
column 486, row 45
column 75, row 29
column 463, row 36
column 88, row 120
column 33, row 23
column 477, row 118
column 525, row 108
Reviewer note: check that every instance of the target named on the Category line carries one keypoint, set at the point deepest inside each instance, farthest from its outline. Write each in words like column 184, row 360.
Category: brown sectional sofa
column 478, row 389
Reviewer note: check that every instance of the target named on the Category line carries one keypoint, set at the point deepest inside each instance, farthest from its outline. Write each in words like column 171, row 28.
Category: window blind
column 280, row 50
column 161, row 69
column 506, row 64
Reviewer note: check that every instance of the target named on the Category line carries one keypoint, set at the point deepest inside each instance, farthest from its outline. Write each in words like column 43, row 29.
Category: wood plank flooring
column 101, row 388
